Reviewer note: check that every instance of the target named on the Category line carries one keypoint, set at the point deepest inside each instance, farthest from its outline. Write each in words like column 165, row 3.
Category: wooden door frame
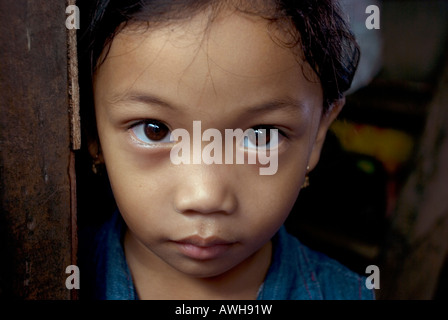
column 38, row 119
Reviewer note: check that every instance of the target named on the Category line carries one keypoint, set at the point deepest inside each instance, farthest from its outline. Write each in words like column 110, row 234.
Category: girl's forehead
column 226, row 41
column 235, row 52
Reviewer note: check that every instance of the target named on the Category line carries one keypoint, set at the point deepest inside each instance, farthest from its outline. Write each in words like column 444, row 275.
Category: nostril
column 205, row 201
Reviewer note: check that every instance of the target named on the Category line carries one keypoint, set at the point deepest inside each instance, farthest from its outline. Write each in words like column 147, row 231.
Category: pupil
column 259, row 133
column 156, row 130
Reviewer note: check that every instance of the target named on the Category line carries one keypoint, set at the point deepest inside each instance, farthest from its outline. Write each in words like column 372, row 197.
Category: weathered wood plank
column 36, row 199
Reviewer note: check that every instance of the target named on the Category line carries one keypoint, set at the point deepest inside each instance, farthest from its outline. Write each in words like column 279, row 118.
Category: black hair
column 317, row 27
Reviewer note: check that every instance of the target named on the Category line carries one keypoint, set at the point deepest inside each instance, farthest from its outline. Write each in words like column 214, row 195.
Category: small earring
column 306, row 183
column 96, row 163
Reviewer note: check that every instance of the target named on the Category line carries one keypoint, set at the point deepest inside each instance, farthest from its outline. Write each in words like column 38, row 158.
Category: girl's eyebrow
column 143, row 98
column 287, row 104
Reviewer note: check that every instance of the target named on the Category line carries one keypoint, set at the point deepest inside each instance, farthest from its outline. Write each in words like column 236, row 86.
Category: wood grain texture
column 35, row 140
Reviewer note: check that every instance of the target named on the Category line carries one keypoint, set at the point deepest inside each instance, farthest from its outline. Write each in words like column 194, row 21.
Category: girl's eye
column 266, row 137
column 151, row 132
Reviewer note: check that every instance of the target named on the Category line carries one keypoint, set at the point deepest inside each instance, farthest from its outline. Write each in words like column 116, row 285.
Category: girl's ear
column 94, row 148
column 327, row 119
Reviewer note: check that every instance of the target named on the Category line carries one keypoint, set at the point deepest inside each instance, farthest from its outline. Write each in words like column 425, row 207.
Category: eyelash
column 265, row 128
column 138, row 131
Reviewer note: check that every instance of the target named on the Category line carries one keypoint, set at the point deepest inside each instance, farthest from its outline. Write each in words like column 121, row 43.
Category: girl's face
column 204, row 219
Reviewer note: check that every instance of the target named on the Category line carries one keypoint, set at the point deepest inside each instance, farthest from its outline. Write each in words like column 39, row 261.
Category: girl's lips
column 199, row 248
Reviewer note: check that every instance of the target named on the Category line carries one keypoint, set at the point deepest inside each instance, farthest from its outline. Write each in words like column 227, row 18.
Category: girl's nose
column 206, row 189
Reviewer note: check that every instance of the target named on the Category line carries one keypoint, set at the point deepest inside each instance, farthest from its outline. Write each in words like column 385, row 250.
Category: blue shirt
column 296, row 271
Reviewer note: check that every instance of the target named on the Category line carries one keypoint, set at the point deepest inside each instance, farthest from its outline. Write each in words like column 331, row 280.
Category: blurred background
column 379, row 194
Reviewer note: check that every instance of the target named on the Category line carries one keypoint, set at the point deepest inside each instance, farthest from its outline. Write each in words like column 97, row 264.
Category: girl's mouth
column 198, row 248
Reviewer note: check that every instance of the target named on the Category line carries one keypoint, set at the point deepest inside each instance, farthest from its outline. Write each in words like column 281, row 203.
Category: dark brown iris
column 262, row 136
column 156, row 130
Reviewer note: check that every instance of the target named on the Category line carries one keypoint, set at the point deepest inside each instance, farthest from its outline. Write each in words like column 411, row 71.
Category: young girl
column 211, row 230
